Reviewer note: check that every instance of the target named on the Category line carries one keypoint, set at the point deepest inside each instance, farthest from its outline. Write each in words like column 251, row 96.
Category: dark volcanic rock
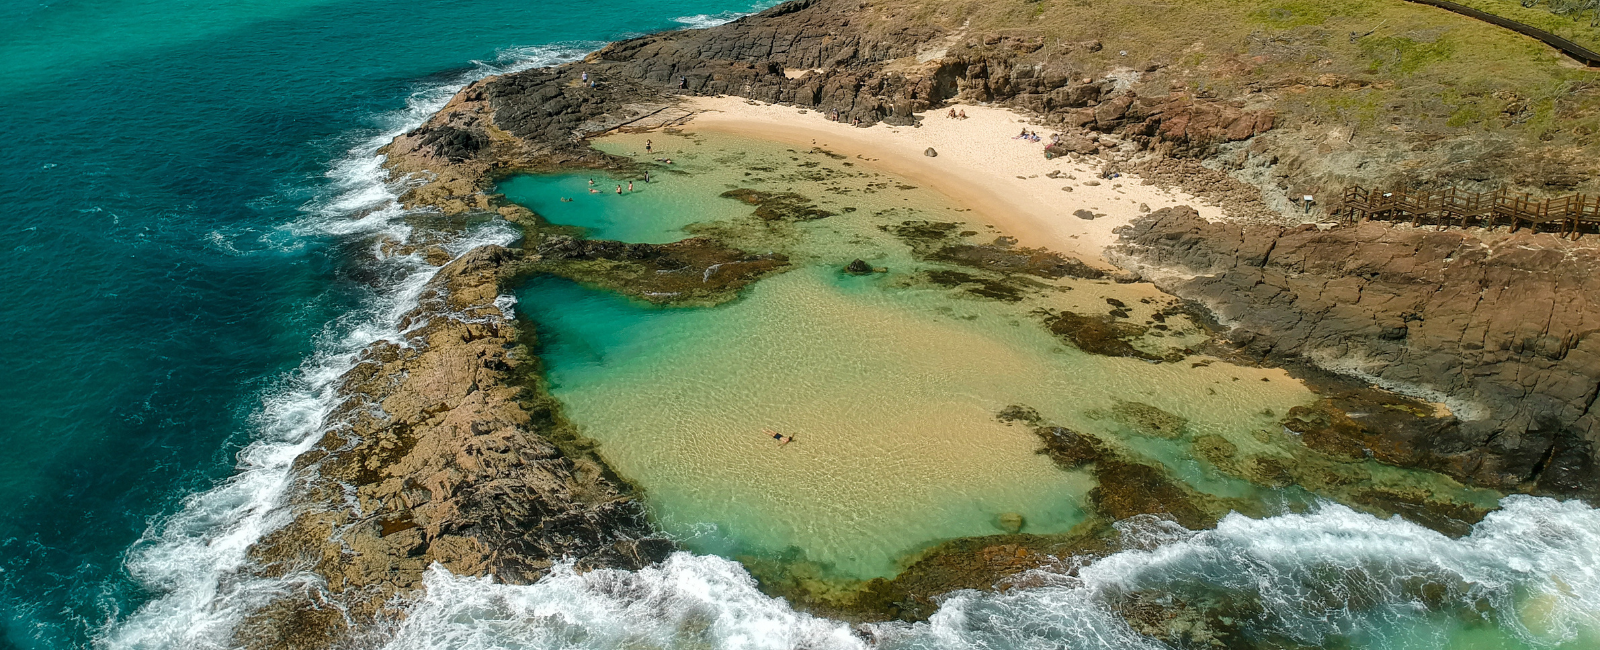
column 699, row 269
column 1501, row 328
column 779, row 206
column 858, row 267
column 983, row 287
column 1018, row 413
column 1068, row 448
column 1009, row 259
column 435, row 456
column 1102, row 335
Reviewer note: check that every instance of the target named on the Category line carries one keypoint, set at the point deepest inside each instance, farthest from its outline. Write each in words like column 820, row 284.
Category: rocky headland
column 447, row 449
column 1497, row 327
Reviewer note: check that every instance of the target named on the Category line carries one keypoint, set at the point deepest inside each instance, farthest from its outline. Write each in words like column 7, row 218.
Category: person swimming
column 782, row 439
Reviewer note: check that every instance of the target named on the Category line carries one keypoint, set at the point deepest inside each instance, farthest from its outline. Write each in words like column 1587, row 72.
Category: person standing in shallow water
column 619, row 188
column 647, row 146
column 630, row 186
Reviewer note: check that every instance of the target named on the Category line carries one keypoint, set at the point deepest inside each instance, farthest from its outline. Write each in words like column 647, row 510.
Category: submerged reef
column 699, row 270
column 447, row 449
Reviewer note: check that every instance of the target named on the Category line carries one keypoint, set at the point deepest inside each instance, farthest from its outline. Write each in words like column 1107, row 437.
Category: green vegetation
column 1576, row 26
column 1363, row 76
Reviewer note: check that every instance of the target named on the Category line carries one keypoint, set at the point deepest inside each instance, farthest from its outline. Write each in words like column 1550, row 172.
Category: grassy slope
column 1416, row 79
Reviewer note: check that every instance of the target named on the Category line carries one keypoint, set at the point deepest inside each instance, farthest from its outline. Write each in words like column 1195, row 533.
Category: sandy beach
column 979, row 165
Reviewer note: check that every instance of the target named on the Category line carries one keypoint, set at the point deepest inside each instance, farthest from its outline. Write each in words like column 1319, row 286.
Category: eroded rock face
column 435, row 456
column 1501, row 329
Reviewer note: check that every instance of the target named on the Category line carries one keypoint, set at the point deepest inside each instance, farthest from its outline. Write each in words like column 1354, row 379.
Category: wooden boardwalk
column 1584, row 55
column 1567, row 215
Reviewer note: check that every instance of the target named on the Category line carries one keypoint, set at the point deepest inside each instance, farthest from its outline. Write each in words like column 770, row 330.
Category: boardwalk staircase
column 1568, row 215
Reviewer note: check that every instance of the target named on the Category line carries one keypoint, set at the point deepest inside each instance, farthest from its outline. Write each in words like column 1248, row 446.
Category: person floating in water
column 594, row 190
column 782, row 439
column 565, row 200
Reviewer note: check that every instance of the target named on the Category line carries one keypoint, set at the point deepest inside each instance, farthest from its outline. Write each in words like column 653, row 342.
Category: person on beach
column 963, row 114
column 951, row 115
column 782, row 439
column 647, row 147
column 585, row 77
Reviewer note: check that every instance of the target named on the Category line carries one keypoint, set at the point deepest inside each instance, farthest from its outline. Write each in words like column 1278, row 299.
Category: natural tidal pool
column 890, row 383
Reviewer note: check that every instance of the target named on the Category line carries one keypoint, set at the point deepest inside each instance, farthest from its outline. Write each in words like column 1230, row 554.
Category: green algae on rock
column 779, row 206
column 698, row 270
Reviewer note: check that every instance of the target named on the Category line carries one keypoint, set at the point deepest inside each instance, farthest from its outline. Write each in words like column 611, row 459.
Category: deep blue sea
column 173, row 172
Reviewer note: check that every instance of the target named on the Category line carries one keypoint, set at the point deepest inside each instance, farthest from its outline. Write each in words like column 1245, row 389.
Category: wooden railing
column 1567, row 215
column 1584, row 55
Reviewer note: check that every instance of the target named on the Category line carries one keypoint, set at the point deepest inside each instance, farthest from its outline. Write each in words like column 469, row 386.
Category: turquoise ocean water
column 190, row 193
column 178, row 177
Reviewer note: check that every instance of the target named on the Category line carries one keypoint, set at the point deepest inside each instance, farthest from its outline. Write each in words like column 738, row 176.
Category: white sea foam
column 702, row 21
column 1334, row 571
column 194, row 557
column 1535, row 561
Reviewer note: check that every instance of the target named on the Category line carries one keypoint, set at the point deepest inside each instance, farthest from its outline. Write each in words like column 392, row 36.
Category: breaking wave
column 1530, row 571
column 193, row 559
column 702, row 21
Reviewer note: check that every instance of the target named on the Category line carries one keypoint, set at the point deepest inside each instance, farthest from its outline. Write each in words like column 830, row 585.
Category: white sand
column 977, row 167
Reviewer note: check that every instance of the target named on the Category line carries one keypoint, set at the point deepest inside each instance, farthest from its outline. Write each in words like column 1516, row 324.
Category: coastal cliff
column 445, row 449
column 1498, row 327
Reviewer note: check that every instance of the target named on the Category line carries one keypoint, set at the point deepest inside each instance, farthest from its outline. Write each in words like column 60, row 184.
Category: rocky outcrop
column 698, row 270
column 440, row 452
column 1501, row 329
column 846, row 60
